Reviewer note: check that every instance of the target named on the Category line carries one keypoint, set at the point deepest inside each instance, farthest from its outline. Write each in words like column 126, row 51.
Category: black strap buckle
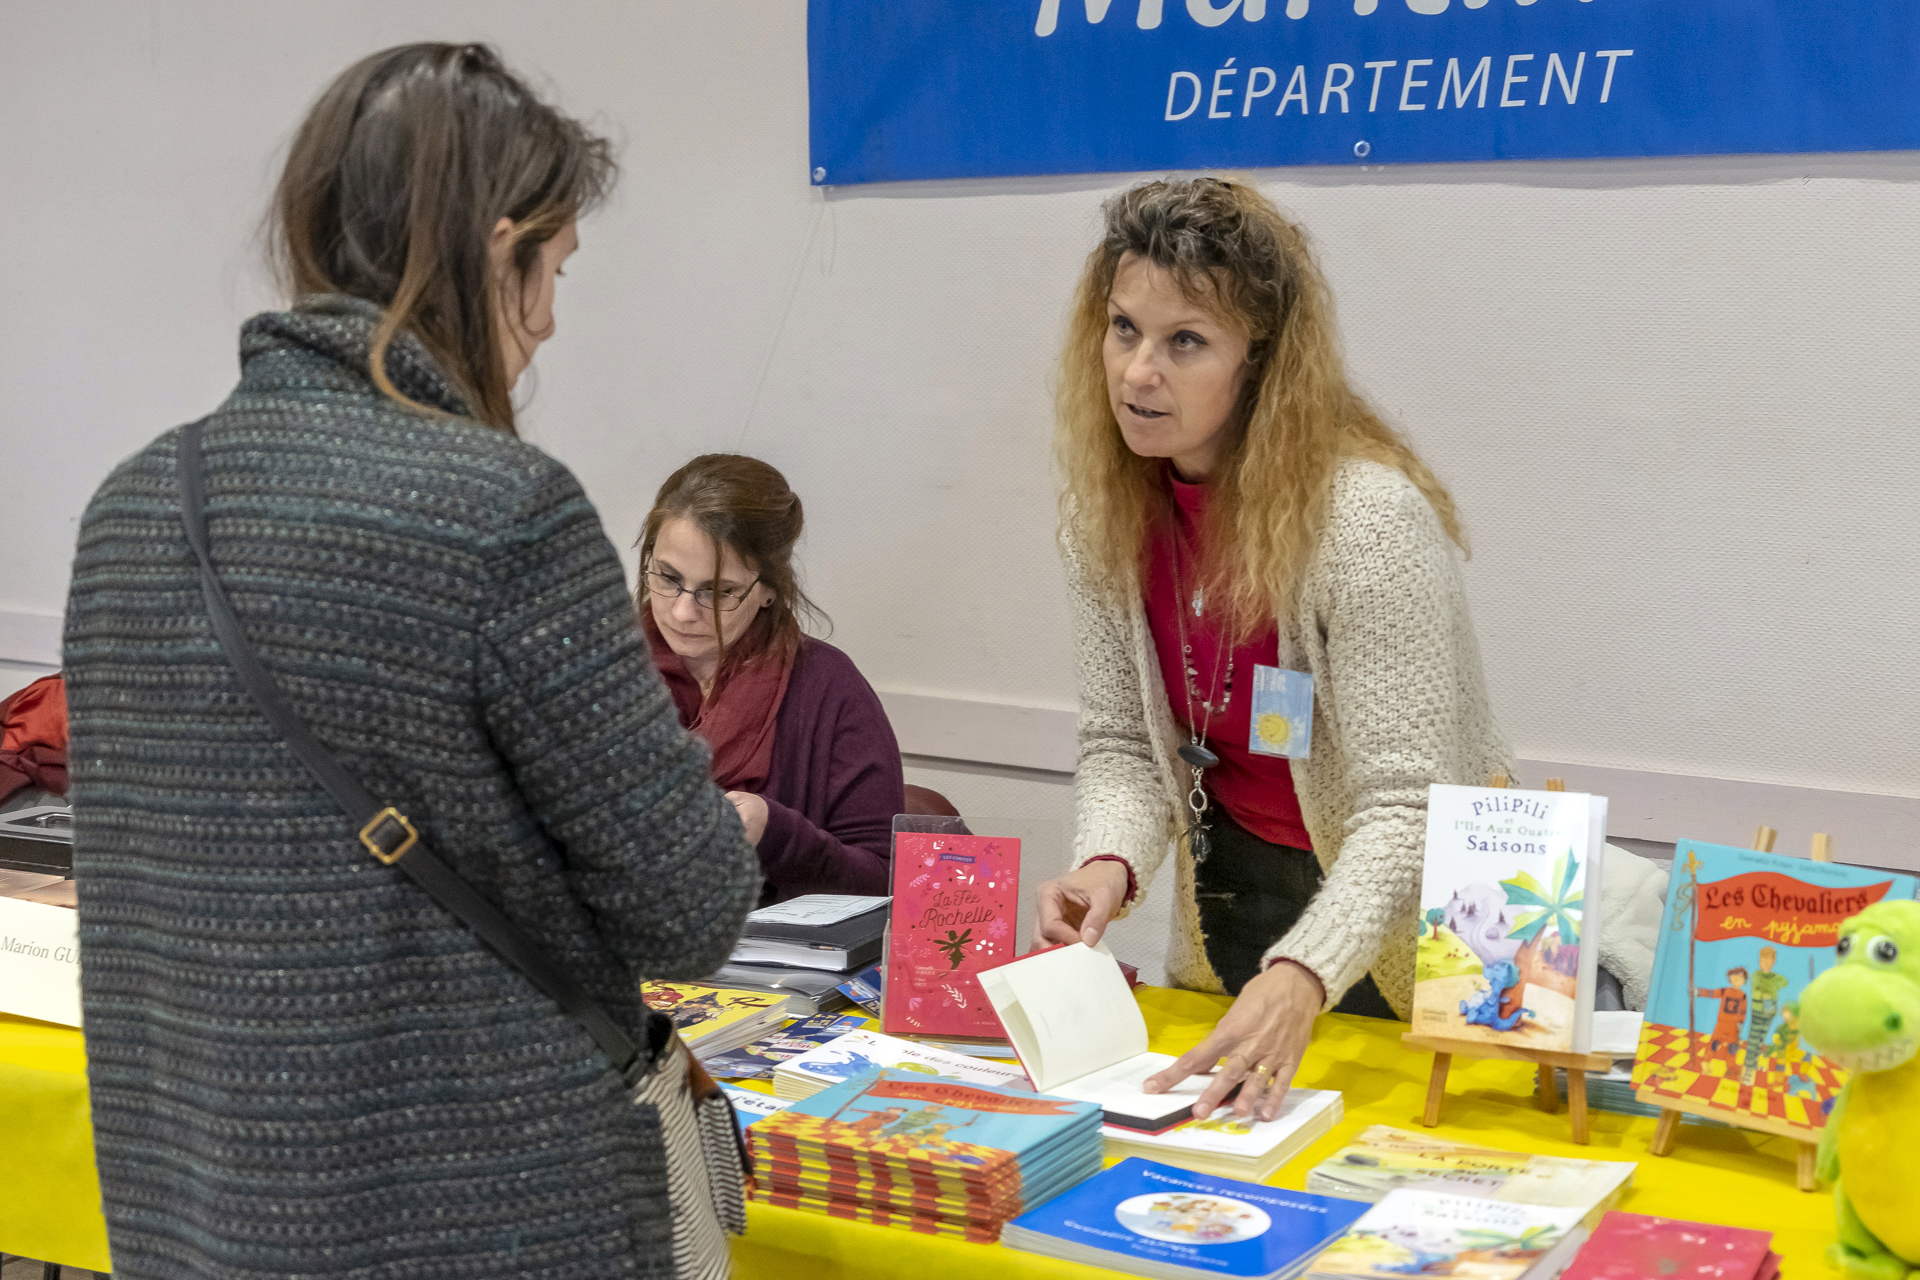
column 388, row 835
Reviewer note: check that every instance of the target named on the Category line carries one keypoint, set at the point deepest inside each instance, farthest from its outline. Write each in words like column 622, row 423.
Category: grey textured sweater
column 300, row 1064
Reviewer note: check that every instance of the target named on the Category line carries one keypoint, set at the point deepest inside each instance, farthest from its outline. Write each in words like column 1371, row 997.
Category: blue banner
column 906, row 89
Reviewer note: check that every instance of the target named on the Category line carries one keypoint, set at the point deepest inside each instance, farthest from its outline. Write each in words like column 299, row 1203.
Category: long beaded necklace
column 1194, row 751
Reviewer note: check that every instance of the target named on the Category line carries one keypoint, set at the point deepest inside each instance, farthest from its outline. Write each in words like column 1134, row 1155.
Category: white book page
column 1069, row 1012
column 1225, row 1134
column 816, row 908
column 1117, row 1088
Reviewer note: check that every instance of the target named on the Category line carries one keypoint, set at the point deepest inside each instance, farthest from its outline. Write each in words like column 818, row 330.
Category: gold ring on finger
column 1262, row 1071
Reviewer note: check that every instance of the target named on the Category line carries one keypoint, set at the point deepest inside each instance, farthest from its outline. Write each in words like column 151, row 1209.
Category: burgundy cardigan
column 834, row 784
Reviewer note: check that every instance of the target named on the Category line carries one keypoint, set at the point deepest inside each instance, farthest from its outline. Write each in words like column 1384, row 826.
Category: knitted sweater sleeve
column 1120, row 792
column 647, row 844
column 1401, row 676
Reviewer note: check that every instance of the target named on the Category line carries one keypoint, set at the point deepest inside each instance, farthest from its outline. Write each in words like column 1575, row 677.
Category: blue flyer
column 1282, row 713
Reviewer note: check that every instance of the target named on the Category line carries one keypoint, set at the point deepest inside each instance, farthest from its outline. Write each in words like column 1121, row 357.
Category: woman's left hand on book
column 1269, row 1025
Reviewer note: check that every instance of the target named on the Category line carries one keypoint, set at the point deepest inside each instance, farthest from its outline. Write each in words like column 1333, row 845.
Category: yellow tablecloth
column 50, row 1197
column 50, row 1207
column 1714, row 1175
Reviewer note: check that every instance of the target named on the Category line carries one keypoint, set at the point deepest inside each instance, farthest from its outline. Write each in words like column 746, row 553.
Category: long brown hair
column 1237, row 255
column 744, row 505
column 392, row 189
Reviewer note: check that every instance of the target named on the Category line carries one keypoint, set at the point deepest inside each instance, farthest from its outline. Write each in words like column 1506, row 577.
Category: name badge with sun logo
column 1282, row 713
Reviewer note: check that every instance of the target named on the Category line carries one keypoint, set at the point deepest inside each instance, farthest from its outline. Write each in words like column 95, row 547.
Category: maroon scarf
column 737, row 720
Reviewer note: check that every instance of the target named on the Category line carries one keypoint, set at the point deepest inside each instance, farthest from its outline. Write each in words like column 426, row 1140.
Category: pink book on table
column 955, row 905
column 1634, row 1246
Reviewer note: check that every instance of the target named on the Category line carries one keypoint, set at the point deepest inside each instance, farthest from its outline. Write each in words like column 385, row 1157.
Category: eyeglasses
column 727, row 599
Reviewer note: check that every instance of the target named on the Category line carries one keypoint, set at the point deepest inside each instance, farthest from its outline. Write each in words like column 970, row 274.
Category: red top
column 1256, row 790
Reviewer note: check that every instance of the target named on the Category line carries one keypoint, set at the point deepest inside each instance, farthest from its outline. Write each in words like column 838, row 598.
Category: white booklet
column 1078, row 1031
column 816, row 909
column 847, row 1056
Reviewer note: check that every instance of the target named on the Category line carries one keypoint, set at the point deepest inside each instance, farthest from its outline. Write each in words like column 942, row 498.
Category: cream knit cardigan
column 1399, row 703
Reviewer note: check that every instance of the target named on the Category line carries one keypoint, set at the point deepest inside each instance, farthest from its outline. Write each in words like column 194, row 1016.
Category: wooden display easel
column 1669, row 1126
column 1546, row 1090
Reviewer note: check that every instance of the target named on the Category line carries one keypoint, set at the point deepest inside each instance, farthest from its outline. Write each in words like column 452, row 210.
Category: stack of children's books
column 714, row 1020
column 1381, row 1159
column 751, row 1106
column 940, row 1156
column 1432, row 1233
column 1633, row 1246
column 756, row 1061
column 857, row 1052
column 1155, row 1220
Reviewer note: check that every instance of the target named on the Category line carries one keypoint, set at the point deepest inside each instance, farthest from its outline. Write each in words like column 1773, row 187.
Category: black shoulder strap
column 384, row 830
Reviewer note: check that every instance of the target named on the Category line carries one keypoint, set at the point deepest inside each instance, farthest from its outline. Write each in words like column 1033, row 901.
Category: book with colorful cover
column 1634, row 1246
column 860, row 1051
column 1505, row 953
column 1743, row 934
column 714, row 1019
column 756, row 1061
column 864, row 989
column 955, row 910
column 1155, row 1220
column 1380, row 1159
column 750, row 1105
column 1432, row 1233
column 936, row 1154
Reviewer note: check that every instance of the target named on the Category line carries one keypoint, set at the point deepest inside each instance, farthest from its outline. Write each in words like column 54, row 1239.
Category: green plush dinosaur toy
column 1864, row 1015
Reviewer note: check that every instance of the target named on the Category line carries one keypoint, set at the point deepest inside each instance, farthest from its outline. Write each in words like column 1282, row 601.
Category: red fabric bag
column 33, row 738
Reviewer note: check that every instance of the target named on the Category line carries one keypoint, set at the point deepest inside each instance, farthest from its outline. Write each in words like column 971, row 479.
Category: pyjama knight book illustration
column 1743, row 935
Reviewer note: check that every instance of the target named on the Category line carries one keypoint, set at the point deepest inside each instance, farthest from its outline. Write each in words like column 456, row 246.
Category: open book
column 1074, row 1024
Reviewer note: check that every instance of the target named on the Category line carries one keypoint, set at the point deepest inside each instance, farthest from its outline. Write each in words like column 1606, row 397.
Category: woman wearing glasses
column 800, row 741
column 1238, row 519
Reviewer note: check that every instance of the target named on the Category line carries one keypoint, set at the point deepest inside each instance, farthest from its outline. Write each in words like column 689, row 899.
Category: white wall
column 1673, row 398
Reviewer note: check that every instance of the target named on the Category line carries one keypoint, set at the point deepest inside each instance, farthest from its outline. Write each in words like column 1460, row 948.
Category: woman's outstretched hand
column 1075, row 907
column 1268, row 1026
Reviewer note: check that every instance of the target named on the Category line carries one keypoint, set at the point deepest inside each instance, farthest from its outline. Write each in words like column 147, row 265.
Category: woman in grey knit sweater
column 300, row 1064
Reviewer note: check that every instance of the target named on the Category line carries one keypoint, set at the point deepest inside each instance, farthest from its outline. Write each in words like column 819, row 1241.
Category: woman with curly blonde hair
column 1231, row 503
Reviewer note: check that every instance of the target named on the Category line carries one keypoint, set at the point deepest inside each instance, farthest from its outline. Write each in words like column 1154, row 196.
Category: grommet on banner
column 1363, row 149
column 819, row 175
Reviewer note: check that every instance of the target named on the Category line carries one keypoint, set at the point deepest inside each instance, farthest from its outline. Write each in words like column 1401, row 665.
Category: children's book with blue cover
column 925, row 1152
column 1743, row 934
column 946, row 1122
column 750, row 1107
column 1153, row 1219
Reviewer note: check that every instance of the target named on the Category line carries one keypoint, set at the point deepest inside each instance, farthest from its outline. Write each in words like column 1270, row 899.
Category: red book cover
column 955, row 905
column 1634, row 1246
